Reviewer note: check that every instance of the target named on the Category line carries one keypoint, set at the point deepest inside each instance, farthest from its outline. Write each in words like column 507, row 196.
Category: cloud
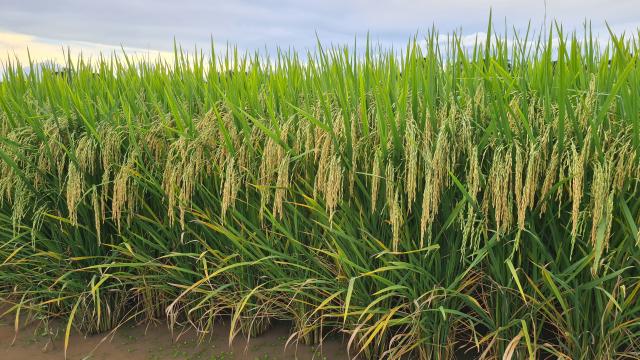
column 22, row 47
column 260, row 24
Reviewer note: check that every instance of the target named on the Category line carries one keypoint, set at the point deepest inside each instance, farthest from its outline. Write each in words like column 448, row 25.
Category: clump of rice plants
column 422, row 202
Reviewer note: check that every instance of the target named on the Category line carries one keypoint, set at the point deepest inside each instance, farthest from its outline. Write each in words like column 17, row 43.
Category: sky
column 150, row 26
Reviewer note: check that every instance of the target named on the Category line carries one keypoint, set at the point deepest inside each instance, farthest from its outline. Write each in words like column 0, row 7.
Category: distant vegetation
column 420, row 202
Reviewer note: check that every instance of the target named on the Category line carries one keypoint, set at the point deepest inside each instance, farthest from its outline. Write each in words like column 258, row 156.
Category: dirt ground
column 155, row 342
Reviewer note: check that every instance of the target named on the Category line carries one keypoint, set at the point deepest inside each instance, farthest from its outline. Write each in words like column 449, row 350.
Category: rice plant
column 420, row 202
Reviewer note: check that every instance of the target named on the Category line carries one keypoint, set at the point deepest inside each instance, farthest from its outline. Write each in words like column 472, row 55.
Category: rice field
column 419, row 202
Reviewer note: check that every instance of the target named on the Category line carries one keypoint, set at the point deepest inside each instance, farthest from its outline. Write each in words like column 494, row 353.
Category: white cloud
column 20, row 46
column 258, row 24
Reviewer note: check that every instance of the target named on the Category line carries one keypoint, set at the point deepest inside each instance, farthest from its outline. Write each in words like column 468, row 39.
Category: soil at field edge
column 155, row 342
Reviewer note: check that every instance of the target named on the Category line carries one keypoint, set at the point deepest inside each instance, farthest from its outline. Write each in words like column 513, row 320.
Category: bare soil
column 155, row 342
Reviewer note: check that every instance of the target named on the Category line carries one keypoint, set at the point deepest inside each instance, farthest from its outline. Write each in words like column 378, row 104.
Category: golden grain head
column 333, row 186
column 282, row 185
column 74, row 191
column 411, row 165
column 375, row 179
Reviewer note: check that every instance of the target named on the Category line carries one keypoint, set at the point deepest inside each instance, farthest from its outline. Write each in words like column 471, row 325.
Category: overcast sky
column 151, row 25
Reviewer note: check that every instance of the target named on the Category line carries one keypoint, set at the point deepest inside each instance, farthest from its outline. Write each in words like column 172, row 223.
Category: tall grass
column 419, row 202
